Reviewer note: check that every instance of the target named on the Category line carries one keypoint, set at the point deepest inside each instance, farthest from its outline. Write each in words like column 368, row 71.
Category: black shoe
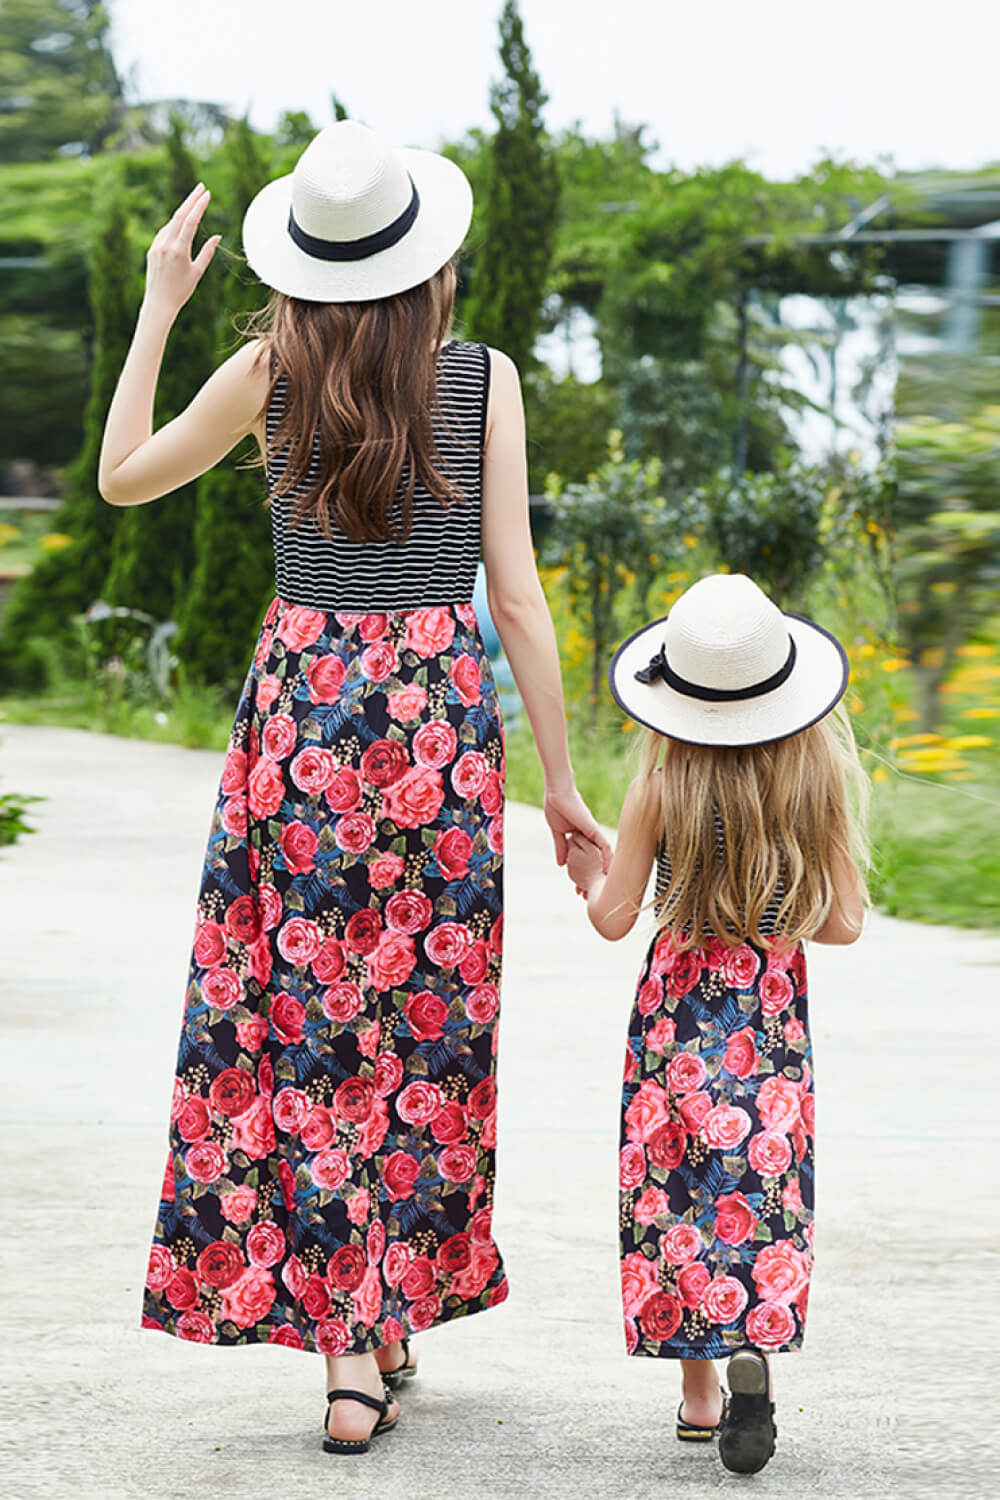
column 393, row 1379
column 358, row 1445
column 687, row 1432
column 747, row 1432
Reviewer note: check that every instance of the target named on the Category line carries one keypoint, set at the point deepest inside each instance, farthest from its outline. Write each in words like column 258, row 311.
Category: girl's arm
column 137, row 464
column 614, row 900
column 520, row 613
column 847, row 910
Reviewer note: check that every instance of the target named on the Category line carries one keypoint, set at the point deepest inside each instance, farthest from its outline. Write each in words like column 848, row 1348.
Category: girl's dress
column 329, row 1183
column 716, row 1165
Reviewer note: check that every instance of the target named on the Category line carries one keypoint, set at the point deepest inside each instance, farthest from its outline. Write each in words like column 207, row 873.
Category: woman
column 330, row 1178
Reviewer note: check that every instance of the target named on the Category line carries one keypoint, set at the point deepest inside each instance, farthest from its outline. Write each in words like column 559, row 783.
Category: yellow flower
column 969, row 742
column 868, row 649
column 976, row 649
column 7, row 532
column 981, row 713
column 932, row 658
column 55, row 541
column 855, row 704
column 944, row 588
column 895, row 664
column 690, row 541
column 880, row 774
column 916, row 739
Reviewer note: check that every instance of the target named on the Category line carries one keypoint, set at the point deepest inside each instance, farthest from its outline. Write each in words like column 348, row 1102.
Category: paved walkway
column 535, row 1398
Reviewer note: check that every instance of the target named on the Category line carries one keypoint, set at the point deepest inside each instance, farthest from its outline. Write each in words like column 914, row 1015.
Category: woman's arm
column 847, row 910
column 136, row 464
column 520, row 613
column 614, row 900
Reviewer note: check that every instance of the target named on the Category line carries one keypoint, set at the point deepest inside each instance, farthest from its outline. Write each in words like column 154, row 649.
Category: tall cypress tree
column 522, row 205
column 66, row 582
column 234, row 566
column 154, row 549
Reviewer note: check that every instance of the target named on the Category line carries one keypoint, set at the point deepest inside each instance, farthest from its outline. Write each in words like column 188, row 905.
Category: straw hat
column 356, row 219
column 727, row 667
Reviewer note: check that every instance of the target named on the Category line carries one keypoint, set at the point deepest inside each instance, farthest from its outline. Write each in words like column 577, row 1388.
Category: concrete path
column 890, row 1397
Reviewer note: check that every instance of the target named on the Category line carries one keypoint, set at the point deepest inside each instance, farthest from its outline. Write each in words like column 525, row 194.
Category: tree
column 508, row 282
column 768, row 526
column 57, row 78
column 234, row 566
column 67, row 581
column 154, row 550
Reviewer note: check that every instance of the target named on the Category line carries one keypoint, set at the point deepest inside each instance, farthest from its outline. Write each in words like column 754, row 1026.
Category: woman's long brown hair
column 789, row 810
column 363, row 376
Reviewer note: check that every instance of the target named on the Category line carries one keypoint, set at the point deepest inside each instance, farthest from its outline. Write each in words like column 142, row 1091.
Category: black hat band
column 369, row 244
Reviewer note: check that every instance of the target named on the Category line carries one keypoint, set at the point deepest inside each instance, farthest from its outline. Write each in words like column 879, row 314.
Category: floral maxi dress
column 329, row 1182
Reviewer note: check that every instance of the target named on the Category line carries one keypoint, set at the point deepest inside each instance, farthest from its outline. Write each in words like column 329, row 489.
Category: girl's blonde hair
column 788, row 810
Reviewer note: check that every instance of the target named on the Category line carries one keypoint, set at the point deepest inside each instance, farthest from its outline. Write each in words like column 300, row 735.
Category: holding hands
column 584, row 863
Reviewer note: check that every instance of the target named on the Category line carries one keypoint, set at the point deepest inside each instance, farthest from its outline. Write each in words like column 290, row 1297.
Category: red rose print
column 660, row 1317
column 269, row 902
column 298, row 844
column 419, row 1102
column 648, row 1111
column 252, row 1034
column 363, row 931
column 725, row 1127
column 434, row 744
column 475, row 964
column 740, row 1057
column 290, row 1108
column 423, row 1313
column 293, row 1274
column 650, row 1205
column 372, row 626
column 238, row 1206
column 316, row 1297
column 220, row 1264
column 205, row 1161
column 346, row 1268
column 287, row 1018
column 299, row 941
column 769, row 1324
column 234, row 816
column 791, row 1196
column 429, row 631
column 259, row 961
column 650, row 997
column 407, row 704
column 419, row 1279
column 355, row 832
column 325, row 676
column 681, row 1243
column 494, row 836
column 483, row 1099
column 807, row 1105
column 409, row 911
column 794, row 1030
column 268, row 689
column 683, row 975
column 639, row 1282
column 182, row 1290
column 482, row 1003
column 221, row 989
column 467, row 614
column 332, row 1337
column 735, row 1220
column 353, row 1099
column 196, row 1327
column 778, row 1103
column 662, row 1035
column 328, row 963
column 265, row 1077
column 344, row 790
column 290, row 1337
column 384, row 871
column 775, row 991
column 253, row 1130
column 491, row 796
column 379, row 661
column 666, row 1146
column 312, row 770
column 392, row 962
column 234, row 772
column 396, row 1262
column 685, row 1072
column 376, row 1242
column 780, row 1272
column 342, row 1002
column 330, row 1170
column 724, row 1299
column 384, row 762
column 447, row 944
column 279, row 736
column 455, row 1254
column 452, row 850
column 466, row 680
column 457, row 1163
column 449, row 1125
column 368, row 1298
column 769, row 1153
column 267, row 789
column 194, row 1120
column 469, row 773
column 480, row 1226
column 691, row 1282
column 317, row 1129
column 161, row 1268
column 631, row 1166
column 399, row 1173
column 471, row 1281
column 209, row 944
column 693, row 1109
column 300, row 627
column 388, row 1072
column 286, row 1178
column 740, row 966
column 415, row 799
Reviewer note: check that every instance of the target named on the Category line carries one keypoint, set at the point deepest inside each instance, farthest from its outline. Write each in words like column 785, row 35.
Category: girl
column 742, row 804
column 329, row 1183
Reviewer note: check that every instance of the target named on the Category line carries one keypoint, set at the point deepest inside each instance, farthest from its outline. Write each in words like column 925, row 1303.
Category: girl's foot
column 397, row 1362
column 701, row 1405
column 350, row 1421
column 747, row 1435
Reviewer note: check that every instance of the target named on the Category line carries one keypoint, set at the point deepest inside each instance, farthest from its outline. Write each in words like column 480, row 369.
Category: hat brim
column 815, row 685
column 438, row 230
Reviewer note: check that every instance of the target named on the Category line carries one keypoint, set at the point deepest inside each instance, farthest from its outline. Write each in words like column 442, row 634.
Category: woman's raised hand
column 171, row 274
column 567, row 813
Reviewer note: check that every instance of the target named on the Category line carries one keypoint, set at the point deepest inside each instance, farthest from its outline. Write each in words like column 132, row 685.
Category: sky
column 777, row 82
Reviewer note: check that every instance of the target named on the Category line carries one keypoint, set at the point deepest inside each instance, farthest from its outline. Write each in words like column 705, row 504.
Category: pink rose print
column 312, row 770
column 682, row 1243
column 467, row 680
column 740, row 967
column 300, row 627
column 407, row 704
column 769, row 1325
column 652, row 1203
column 735, row 1220
column 776, row 991
column 740, row 1058
column 415, row 799
column 778, row 1103
column 325, row 676
column 429, row 631
column 725, row 1127
column 769, row 1153
column 724, row 1299
column 434, row 744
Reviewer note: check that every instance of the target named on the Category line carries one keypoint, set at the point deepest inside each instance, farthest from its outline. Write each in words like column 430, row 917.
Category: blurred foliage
column 58, row 80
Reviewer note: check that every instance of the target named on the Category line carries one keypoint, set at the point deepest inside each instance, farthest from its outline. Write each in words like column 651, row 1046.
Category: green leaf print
column 310, row 730
column 763, row 1234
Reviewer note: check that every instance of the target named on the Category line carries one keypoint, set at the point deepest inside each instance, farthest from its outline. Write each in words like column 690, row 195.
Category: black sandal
column 747, row 1432
column 393, row 1379
column 357, row 1445
column 687, row 1432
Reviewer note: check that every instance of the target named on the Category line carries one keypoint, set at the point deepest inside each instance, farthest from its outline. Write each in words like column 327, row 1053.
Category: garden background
column 797, row 379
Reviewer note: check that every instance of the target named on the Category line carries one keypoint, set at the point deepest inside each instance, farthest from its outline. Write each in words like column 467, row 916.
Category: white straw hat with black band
column 726, row 666
column 357, row 219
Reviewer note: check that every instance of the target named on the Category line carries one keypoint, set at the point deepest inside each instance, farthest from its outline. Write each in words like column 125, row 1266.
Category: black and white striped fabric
column 437, row 563
column 768, row 922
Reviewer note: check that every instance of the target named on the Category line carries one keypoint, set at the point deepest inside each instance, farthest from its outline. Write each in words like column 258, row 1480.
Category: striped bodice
column 768, row 922
column 437, row 562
